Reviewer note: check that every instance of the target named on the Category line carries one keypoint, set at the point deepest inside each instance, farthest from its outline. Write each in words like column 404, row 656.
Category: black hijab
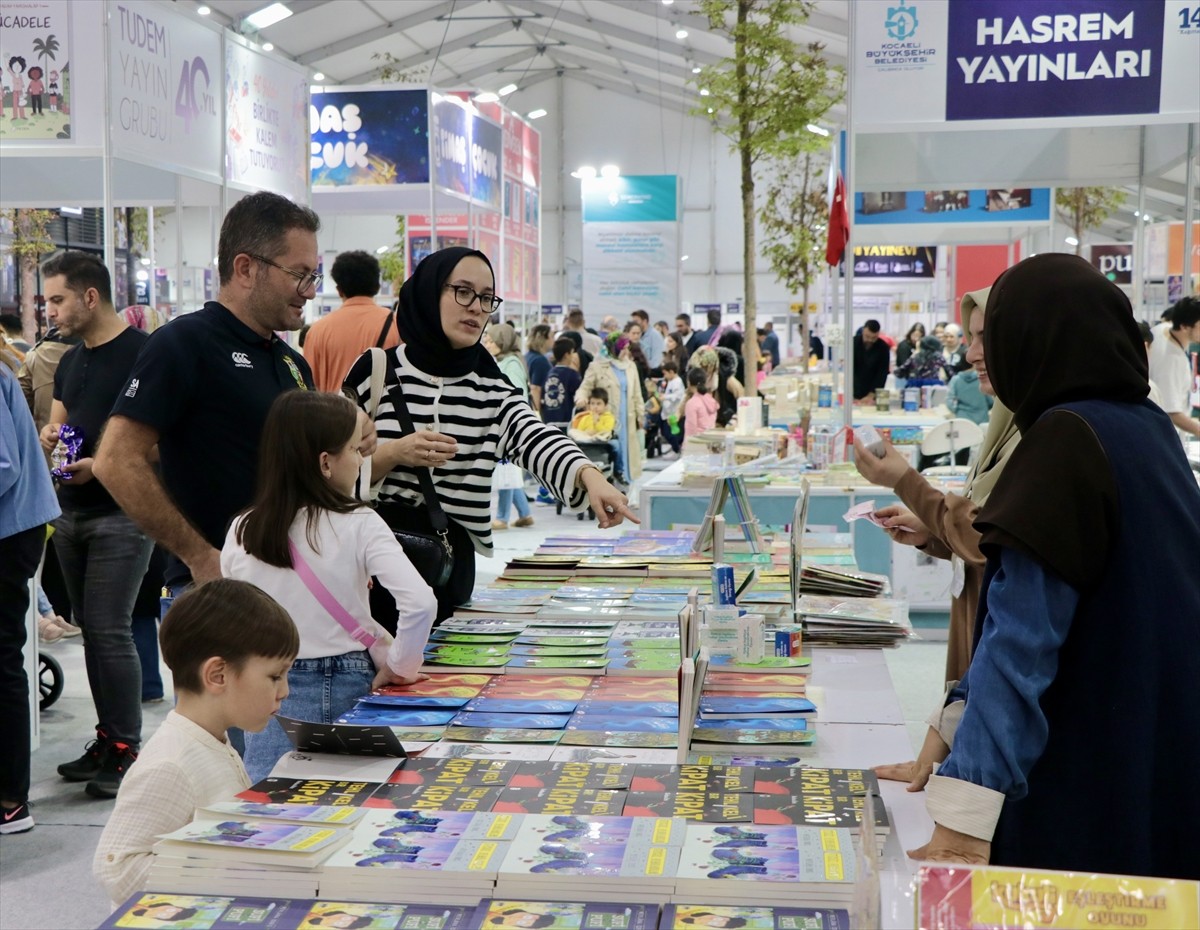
column 1058, row 331
column 419, row 319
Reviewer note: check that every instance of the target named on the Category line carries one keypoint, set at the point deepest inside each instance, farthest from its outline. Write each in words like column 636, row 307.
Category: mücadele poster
column 35, row 71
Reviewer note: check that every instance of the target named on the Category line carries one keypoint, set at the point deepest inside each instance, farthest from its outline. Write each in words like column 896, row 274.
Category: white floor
column 45, row 875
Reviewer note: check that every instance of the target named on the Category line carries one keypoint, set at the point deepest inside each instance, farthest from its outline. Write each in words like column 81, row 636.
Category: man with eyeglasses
column 201, row 388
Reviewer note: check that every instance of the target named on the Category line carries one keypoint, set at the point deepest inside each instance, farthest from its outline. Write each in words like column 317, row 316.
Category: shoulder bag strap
column 437, row 516
column 387, row 324
column 378, row 373
column 327, row 600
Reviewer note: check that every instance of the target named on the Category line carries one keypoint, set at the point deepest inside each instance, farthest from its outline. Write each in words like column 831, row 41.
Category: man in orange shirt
column 335, row 342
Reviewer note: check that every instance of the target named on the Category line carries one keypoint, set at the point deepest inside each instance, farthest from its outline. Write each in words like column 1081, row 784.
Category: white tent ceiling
column 626, row 47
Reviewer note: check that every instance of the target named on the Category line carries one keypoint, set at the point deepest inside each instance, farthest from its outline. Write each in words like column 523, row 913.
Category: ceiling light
column 696, row 70
column 710, row 109
column 142, row 274
column 486, row 97
column 506, row 90
column 203, row 10
column 537, row 114
column 584, row 172
column 381, row 249
column 684, row 258
column 681, row 33
column 668, row 2
column 1071, row 240
column 819, row 130
column 268, row 46
column 268, row 16
column 319, row 76
column 610, row 171
column 703, row 91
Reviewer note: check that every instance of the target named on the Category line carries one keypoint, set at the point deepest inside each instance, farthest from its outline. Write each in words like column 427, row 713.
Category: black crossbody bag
column 431, row 553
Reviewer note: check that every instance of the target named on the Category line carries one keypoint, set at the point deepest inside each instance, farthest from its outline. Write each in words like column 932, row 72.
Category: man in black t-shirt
column 102, row 553
column 201, row 389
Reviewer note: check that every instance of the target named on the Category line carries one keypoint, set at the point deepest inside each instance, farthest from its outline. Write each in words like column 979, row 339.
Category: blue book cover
column 519, row 706
column 737, row 708
column 623, row 723
column 630, row 708
column 757, row 723
column 411, row 702
column 511, row 721
column 397, row 717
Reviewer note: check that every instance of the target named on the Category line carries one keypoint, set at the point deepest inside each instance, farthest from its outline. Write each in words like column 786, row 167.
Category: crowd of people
column 282, row 491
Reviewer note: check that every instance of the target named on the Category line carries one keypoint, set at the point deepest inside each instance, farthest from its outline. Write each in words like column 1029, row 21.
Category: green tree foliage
column 392, row 266
column 793, row 218
column 1085, row 208
column 762, row 99
column 30, row 241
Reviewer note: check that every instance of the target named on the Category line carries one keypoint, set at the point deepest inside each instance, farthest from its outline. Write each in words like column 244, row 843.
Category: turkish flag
column 839, row 224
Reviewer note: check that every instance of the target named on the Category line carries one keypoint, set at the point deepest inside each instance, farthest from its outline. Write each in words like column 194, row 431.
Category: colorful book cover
column 466, row 661
column 580, row 801
column 557, row 652
column 462, row 650
column 518, row 662
column 464, row 773
column 412, row 702
column 311, row 791
column 734, row 708
column 418, row 853
column 624, row 851
column 589, row 707
column 386, row 916
column 270, row 836
column 767, row 760
column 748, row 917
column 515, row 752
column 791, row 724
column 470, row 825
column 512, row 721
column 457, row 637
column 635, row 689
column 374, row 715
column 482, row 625
column 441, row 685
column 433, row 797
column 501, row 735
column 619, row 738
column 652, row 660
column 578, row 775
column 622, row 723
column 487, row 704
column 515, row 684
column 753, row 737
column 981, row 898
column 768, row 663
column 706, row 806
column 818, row 857
column 560, row 640
column 562, row 915
column 298, row 813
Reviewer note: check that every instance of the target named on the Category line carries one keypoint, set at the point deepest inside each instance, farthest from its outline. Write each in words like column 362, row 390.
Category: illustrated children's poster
column 35, row 73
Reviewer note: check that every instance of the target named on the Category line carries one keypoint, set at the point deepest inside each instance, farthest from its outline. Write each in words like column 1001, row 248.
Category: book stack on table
column 854, row 621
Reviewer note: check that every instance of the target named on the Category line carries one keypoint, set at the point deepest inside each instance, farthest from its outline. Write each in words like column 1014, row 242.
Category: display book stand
column 728, row 487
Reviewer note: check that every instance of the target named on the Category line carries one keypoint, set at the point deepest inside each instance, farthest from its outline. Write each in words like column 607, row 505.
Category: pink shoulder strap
column 327, row 600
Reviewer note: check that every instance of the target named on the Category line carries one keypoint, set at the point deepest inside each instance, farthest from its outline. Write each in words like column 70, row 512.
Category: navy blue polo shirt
column 205, row 382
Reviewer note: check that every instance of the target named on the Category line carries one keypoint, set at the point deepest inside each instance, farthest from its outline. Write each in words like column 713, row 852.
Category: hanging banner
column 893, row 261
column 466, row 152
column 955, row 64
column 267, row 122
column 35, row 72
column 1020, row 205
column 368, row 136
column 631, row 245
column 165, row 72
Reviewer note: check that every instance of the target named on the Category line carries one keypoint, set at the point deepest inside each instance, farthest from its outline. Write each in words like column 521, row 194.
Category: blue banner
column 648, row 198
column 1027, row 58
column 452, row 147
column 487, row 141
column 996, row 205
column 363, row 137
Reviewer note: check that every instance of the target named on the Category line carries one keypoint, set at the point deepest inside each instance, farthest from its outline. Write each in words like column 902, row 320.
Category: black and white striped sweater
column 489, row 419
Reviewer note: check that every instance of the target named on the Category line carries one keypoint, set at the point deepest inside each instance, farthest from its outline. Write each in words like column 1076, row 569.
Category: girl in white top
column 308, row 464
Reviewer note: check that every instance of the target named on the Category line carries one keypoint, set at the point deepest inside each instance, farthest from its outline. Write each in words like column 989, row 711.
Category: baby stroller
column 50, row 680
column 603, row 454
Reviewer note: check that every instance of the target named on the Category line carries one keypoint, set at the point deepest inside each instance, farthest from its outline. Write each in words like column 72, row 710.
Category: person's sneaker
column 48, row 631
column 87, row 766
column 16, row 819
column 117, row 759
column 544, row 497
column 499, row 525
column 523, row 521
column 68, row 629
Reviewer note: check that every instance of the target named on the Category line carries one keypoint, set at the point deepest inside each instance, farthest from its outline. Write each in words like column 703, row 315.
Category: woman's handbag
column 431, row 553
column 509, row 477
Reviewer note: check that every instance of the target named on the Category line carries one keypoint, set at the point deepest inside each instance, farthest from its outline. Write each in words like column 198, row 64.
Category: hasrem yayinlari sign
column 953, row 62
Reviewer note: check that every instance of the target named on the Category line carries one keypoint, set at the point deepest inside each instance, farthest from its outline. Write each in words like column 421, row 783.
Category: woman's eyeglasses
column 466, row 296
column 304, row 279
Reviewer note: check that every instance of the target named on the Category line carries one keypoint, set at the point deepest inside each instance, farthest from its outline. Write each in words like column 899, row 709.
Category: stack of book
column 206, row 912
column 827, row 579
column 414, row 856
column 224, row 850
column 615, row 859
column 691, row 915
column 854, row 621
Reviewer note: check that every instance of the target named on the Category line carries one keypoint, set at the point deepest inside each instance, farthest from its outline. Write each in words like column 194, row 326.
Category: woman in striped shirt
column 467, row 417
